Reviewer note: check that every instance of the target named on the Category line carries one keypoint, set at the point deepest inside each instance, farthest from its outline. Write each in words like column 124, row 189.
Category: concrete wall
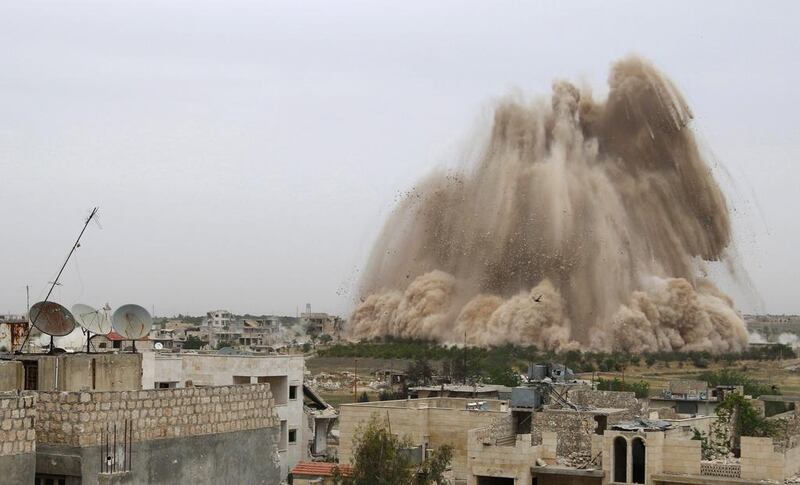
column 194, row 435
column 12, row 375
column 435, row 421
column 246, row 456
column 486, row 458
column 98, row 372
column 281, row 371
column 17, row 438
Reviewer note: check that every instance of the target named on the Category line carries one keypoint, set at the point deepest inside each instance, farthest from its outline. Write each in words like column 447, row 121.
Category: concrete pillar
column 629, row 471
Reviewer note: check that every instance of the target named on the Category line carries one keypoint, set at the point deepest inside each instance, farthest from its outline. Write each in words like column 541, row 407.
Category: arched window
column 638, row 460
column 620, row 459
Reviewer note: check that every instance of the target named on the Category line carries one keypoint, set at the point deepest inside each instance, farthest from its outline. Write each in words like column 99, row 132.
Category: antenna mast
column 58, row 276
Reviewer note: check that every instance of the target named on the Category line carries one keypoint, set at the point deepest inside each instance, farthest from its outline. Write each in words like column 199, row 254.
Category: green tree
column 194, row 343
column 381, row 457
column 363, row 397
column 737, row 416
column 419, row 372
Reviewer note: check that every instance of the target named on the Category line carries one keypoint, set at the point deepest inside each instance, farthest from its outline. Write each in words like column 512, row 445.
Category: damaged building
column 557, row 430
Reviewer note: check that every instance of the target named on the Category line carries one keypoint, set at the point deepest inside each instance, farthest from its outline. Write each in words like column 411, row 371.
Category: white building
column 218, row 318
column 284, row 373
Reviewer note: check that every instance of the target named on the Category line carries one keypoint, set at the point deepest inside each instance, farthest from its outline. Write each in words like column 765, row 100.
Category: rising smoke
column 585, row 224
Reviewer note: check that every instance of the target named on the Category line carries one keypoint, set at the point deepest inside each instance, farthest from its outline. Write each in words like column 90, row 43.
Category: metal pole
column 55, row 281
column 355, row 381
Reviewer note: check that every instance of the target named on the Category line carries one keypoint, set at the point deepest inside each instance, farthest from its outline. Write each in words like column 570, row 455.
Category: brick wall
column 79, row 418
column 17, row 417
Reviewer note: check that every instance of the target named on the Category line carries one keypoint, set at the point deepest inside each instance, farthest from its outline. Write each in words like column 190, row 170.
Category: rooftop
column 321, row 469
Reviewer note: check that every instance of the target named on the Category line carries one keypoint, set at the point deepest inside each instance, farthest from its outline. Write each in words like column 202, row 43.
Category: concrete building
column 429, row 423
column 693, row 397
column 218, row 318
column 284, row 374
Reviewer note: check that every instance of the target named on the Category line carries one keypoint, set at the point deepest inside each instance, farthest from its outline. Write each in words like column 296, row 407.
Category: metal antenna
column 58, row 276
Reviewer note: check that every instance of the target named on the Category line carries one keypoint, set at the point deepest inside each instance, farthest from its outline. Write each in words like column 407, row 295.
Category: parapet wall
column 80, row 418
column 17, row 438
column 607, row 399
column 17, row 417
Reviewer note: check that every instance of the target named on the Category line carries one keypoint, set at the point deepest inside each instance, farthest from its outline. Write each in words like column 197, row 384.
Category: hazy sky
column 245, row 154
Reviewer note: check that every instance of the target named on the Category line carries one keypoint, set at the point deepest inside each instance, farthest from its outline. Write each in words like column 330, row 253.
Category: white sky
column 245, row 154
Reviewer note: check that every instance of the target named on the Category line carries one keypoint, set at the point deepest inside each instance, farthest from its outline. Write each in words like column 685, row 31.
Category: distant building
column 218, row 318
column 693, row 397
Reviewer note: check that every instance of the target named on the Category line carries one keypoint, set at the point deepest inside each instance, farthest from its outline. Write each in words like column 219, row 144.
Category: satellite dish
column 52, row 318
column 132, row 322
column 158, row 346
column 94, row 321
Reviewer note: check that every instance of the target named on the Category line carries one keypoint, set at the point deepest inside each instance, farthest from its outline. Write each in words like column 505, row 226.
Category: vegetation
column 500, row 365
column 224, row 343
column 730, row 377
column 736, row 418
column 640, row 388
column 194, row 343
column 381, row 457
column 363, row 397
column 419, row 372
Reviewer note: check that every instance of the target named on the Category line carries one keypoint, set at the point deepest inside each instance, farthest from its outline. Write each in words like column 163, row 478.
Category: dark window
column 292, row 436
column 620, row 460
column 31, row 375
column 292, row 392
column 638, row 460
column 602, row 423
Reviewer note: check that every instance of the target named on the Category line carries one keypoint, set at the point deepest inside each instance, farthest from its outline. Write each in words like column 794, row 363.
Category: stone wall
column 574, row 429
column 17, row 438
column 608, row 399
column 79, row 418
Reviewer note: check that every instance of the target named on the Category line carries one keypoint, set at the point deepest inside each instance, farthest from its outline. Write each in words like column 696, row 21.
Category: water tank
column 537, row 372
column 526, row 398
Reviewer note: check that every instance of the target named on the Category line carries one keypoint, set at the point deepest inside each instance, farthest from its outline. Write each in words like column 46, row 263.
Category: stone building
column 194, row 435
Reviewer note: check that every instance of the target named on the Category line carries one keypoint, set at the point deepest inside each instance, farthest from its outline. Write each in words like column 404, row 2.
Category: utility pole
column 465, row 357
column 355, row 380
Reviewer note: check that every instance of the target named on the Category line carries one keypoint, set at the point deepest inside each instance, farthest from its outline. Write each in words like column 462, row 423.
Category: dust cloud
column 585, row 224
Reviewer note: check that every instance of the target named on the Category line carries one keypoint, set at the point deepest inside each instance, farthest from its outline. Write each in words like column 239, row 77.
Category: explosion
column 584, row 224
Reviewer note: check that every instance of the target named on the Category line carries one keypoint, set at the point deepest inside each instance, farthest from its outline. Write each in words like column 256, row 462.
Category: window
column 292, row 436
column 292, row 392
column 620, row 459
column 638, row 460
column 241, row 379
column 31, row 368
